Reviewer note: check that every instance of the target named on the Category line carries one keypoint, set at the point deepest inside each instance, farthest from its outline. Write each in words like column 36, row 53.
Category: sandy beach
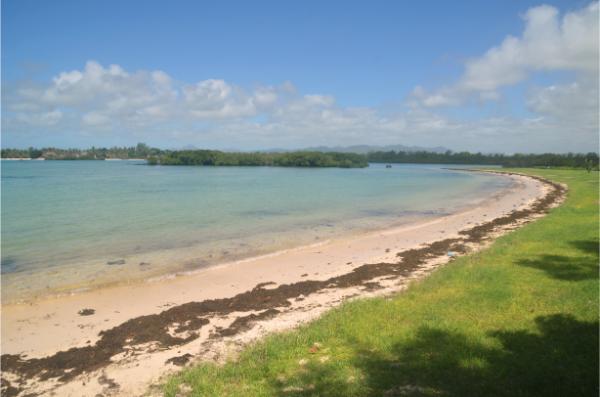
column 121, row 340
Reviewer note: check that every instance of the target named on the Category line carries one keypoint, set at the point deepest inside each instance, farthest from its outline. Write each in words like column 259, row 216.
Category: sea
column 69, row 226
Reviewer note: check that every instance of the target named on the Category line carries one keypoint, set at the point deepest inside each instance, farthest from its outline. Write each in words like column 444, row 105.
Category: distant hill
column 364, row 149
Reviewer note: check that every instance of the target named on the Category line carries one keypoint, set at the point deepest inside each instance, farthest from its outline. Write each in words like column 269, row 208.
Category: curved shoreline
column 199, row 323
column 83, row 273
column 175, row 260
column 393, row 227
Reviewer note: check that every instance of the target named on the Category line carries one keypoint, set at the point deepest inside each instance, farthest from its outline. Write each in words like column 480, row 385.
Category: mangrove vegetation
column 290, row 159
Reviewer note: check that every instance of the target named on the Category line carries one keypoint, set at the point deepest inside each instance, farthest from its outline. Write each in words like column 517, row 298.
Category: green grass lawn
column 517, row 319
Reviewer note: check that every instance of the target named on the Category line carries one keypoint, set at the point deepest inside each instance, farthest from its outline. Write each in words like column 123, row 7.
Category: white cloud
column 216, row 99
column 95, row 119
column 548, row 43
column 570, row 104
column 265, row 97
column 319, row 100
column 40, row 119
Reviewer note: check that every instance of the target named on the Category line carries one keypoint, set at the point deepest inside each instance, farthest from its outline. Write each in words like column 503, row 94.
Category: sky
column 492, row 76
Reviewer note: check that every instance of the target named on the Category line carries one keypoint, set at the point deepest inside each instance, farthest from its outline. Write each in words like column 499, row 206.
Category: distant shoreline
column 23, row 159
column 43, row 159
column 310, row 157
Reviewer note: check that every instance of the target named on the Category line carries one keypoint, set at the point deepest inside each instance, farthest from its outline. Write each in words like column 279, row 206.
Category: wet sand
column 118, row 341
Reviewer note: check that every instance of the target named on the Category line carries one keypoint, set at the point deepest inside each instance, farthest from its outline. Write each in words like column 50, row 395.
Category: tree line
column 140, row 151
column 288, row 159
column 305, row 158
column 568, row 160
column 156, row 156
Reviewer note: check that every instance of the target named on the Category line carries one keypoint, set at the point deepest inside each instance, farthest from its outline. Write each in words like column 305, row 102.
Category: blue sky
column 335, row 73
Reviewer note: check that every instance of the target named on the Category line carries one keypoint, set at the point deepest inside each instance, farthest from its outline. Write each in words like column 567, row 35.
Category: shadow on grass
column 566, row 267
column 560, row 359
column 590, row 247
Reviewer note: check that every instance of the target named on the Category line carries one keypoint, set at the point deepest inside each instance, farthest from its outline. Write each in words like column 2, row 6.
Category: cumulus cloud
column 217, row 99
column 41, row 118
column 575, row 103
column 549, row 42
column 101, row 96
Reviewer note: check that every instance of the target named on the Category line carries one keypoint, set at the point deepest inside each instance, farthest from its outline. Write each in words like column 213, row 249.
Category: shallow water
column 63, row 222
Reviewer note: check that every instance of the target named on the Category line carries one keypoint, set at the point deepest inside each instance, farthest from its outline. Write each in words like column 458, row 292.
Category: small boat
column 388, row 166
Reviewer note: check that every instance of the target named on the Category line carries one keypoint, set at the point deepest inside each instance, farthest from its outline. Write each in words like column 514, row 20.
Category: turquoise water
column 63, row 221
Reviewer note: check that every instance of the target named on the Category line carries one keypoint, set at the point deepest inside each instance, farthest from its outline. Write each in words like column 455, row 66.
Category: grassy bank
column 518, row 319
